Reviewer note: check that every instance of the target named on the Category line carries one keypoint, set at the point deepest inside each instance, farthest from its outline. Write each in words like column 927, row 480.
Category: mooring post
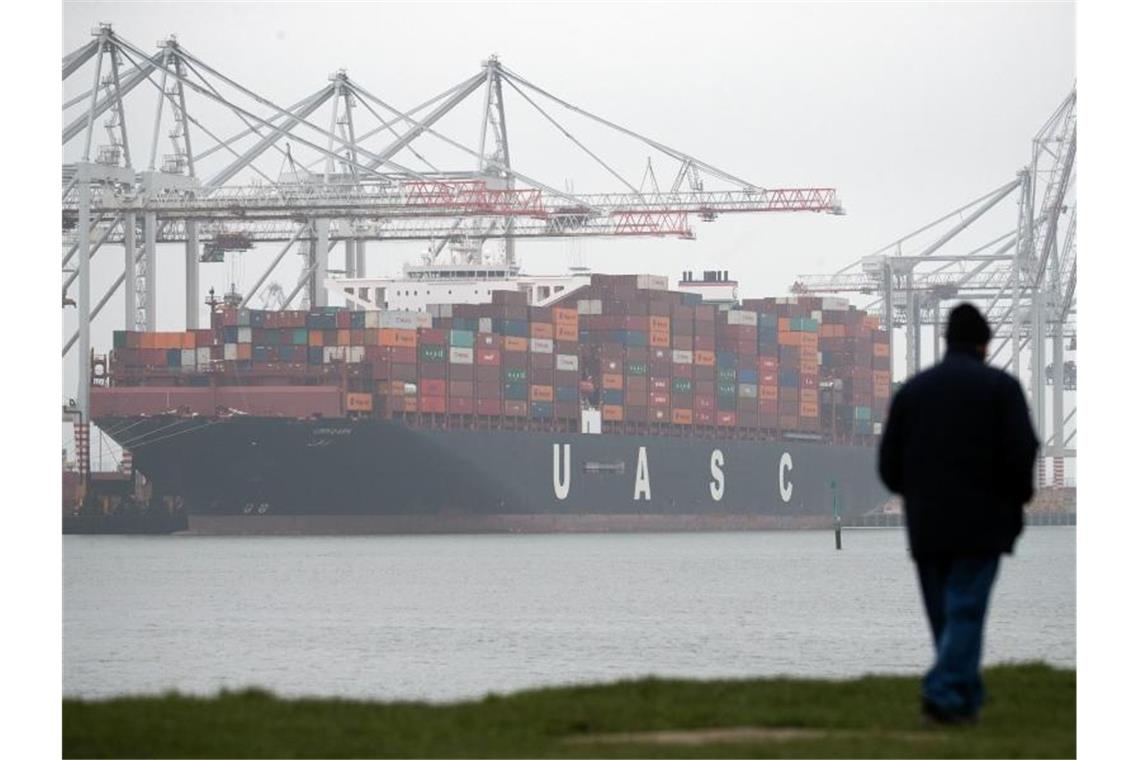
column 835, row 512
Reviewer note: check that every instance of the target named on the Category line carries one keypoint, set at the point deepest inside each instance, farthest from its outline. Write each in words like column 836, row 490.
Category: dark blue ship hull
column 268, row 475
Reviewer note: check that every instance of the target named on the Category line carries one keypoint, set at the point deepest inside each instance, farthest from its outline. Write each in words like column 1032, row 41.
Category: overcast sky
column 909, row 110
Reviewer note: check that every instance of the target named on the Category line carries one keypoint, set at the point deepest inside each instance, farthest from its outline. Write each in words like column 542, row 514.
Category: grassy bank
column 1032, row 713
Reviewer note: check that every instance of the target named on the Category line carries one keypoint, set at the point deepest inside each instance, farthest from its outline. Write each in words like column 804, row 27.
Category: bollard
column 838, row 522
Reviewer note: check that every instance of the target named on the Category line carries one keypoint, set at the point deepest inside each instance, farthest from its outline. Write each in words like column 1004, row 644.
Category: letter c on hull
column 562, row 473
column 785, row 485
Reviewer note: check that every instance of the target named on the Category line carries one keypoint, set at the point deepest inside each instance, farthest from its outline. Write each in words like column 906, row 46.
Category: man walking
column 959, row 447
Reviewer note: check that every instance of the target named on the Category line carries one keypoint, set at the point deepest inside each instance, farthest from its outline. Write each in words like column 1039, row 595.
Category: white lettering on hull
column 716, row 485
column 562, row 472
column 785, row 484
column 641, row 482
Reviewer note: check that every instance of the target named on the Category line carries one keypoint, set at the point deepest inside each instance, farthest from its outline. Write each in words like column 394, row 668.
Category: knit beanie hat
column 967, row 327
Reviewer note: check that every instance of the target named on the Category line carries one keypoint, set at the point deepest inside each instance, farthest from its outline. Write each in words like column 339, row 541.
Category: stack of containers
column 567, row 402
column 541, row 363
column 737, row 335
column 768, row 368
column 681, row 321
column 704, row 367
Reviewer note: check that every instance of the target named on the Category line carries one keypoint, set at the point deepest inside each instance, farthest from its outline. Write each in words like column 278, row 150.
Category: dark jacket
column 959, row 447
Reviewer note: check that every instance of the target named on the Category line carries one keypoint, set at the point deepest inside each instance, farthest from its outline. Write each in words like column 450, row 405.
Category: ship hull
column 266, row 475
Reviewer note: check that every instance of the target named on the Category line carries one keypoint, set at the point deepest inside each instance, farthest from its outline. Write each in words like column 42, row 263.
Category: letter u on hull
column 561, row 472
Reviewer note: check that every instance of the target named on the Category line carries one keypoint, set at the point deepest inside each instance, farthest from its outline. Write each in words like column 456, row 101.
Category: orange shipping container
column 343, row 337
column 789, row 339
column 809, row 395
column 611, row 413
column 511, row 343
column 881, row 377
column 566, row 332
column 542, row 393
column 612, row 382
column 316, row 337
column 244, row 351
column 808, row 409
column 704, row 358
column 659, row 339
column 188, row 340
column 358, row 402
column 881, row 350
column 542, row 330
column 566, row 317
column 660, row 324
column 783, row 324
column 682, row 416
column 768, row 392
column 395, row 337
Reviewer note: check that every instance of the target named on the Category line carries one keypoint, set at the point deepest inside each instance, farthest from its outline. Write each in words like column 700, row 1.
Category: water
column 447, row 617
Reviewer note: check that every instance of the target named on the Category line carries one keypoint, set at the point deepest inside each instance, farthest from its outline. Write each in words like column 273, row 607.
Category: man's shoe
column 933, row 716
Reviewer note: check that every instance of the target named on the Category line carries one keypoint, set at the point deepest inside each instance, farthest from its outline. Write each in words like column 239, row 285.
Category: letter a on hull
column 641, row 484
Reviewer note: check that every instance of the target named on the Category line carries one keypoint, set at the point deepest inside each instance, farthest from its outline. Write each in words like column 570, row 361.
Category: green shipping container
column 515, row 375
column 636, row 368
column 462, row 339
column 429, row 353
column 682, row 385
column 727, row 389
column 726, row 375
column 301, row 336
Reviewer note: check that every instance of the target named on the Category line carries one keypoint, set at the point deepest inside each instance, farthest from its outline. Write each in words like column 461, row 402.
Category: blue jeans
column 956, row 593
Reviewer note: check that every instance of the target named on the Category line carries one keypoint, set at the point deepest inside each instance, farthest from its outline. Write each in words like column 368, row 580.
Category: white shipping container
column 747, row 390
column 189, row 357
column 541, row 346
column 410, row 389
column 742, row 317
column 566, row 362
column 817, row 315
column 245, row 335
column 423, row 319
column 485, row 324
column 202, row 356
column 682, row 357
column 355, row 354
column 584, row 306
column 335, row 354
column 652, row 282
column 229, row 352
column 835, row 304
column 371, row 320
column 458, row 355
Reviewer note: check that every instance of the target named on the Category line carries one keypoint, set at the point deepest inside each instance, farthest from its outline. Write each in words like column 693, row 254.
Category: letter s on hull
column 562, row 473
column 716, row 485
column 785, row 485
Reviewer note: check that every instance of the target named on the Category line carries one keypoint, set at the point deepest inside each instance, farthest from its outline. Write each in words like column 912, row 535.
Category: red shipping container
column 703, row 403
column 430, row 336
column 703, row 417
column 433, row 405
column 489, row 390
column 461, row 405
column 464, row 388
column 726, row 419
column 343, row 320
column 487, row 356
column 489, row 407
column 658, row 399
column 433, row 387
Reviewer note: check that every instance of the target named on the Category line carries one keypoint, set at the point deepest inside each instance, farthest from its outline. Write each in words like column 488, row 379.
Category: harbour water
column 448, row 617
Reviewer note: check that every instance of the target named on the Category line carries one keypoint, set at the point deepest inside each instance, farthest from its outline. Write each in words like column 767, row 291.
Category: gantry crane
column 338, row 181
column 1024, row 279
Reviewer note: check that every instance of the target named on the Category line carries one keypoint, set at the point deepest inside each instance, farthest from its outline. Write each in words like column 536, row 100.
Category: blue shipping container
column 612, row 396
column 541, row 409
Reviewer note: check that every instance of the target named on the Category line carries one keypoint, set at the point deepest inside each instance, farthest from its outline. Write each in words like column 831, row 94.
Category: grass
column 1031, row 713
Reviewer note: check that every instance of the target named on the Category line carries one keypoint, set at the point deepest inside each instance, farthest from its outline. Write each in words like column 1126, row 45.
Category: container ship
column 606, row 402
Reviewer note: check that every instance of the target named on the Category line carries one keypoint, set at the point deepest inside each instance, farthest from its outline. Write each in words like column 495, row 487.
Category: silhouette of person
column 959, row 448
